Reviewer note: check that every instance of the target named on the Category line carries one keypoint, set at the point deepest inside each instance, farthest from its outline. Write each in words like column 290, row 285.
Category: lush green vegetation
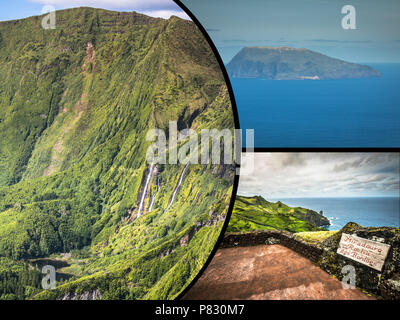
column 256, row 213
column 18, row 280
column 314, row 236
column 75, row 106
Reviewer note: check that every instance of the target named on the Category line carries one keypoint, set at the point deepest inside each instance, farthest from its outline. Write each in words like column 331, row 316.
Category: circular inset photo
column 117, row 158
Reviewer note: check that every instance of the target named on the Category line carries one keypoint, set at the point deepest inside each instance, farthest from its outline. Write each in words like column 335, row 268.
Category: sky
column 308, row 175
column 311, row 24
column 18, row 9
column 234, row 24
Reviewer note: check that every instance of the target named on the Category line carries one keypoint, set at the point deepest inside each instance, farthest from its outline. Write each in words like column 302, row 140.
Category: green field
column 314, row 236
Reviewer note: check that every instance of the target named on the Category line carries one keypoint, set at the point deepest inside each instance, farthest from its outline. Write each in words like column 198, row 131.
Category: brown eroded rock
column 267, row 272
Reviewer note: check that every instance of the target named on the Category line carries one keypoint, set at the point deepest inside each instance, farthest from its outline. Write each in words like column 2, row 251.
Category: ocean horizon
column 366, row 211
column 322, row 113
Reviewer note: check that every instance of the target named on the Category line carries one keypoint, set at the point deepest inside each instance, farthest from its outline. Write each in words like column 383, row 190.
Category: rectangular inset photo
column 311, row 73
column 310, row 226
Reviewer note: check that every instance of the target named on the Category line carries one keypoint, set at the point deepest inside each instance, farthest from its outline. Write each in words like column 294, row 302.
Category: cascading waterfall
column 176, row 189
column 154, row 195
column 145, row 190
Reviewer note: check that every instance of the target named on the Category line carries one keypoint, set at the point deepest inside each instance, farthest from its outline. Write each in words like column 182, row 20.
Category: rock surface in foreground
column 267, row 272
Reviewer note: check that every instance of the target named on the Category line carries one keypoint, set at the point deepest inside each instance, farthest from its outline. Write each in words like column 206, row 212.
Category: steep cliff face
column 75, row 107
column 256, row 213
column 284, row 63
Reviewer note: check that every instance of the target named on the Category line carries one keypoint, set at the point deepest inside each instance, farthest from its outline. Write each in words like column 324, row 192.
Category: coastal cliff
column 256, row 213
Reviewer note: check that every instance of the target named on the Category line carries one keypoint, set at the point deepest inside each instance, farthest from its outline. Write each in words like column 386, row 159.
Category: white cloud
column 123, row 4
column 155, row 8
column 166, row 14
column 286, row 175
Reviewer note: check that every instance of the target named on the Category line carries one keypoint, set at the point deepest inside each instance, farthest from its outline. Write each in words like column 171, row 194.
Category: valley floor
column 267, row 272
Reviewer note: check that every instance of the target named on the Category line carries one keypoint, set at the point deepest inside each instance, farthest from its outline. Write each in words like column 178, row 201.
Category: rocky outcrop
column 313, row 217
column 385, row 283
column 166, row 252
column 185, row 240
column 88, row 295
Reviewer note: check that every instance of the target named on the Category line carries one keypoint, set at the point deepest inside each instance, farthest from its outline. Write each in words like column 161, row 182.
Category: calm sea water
column 322, row 113
column 368, row 212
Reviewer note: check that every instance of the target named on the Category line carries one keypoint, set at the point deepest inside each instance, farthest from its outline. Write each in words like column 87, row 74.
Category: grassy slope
column 72, row 157
column 315, row 236
column 255, row 213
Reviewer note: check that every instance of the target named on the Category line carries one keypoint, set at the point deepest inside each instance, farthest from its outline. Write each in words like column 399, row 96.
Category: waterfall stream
column 176, row 189
column 154, row 195
column 145, row 191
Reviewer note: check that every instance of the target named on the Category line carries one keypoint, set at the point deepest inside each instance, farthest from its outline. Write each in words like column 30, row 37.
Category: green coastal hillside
column 256, row 213
column 76, row 190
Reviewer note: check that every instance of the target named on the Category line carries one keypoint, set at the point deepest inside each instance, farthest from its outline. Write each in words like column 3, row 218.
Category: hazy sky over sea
column 291, row 175
column 312, row 24
column 18, row 9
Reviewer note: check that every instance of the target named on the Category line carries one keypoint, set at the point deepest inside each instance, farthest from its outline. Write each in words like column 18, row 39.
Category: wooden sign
column 368, row 252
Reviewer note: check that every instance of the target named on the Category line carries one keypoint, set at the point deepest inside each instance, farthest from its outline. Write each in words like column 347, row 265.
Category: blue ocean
column 368, row 212
column 322, row 113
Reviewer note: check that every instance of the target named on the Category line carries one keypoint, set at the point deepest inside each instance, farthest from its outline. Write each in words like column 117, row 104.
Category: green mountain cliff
column 75, row 106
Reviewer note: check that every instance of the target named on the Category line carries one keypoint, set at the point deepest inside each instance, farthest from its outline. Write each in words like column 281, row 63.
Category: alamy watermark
column 49, row 280
column 216, row 146
column 49, row 20
column 349, row 20
column 349, row 279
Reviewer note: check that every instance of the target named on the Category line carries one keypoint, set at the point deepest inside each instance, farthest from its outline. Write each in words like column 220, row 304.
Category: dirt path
column 267, row 272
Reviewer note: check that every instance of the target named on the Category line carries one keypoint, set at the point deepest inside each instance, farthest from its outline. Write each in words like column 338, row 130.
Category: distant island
column 285, row 63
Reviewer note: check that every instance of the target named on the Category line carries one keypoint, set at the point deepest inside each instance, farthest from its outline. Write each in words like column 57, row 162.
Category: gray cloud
column 294, row 159
column 285, row 175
